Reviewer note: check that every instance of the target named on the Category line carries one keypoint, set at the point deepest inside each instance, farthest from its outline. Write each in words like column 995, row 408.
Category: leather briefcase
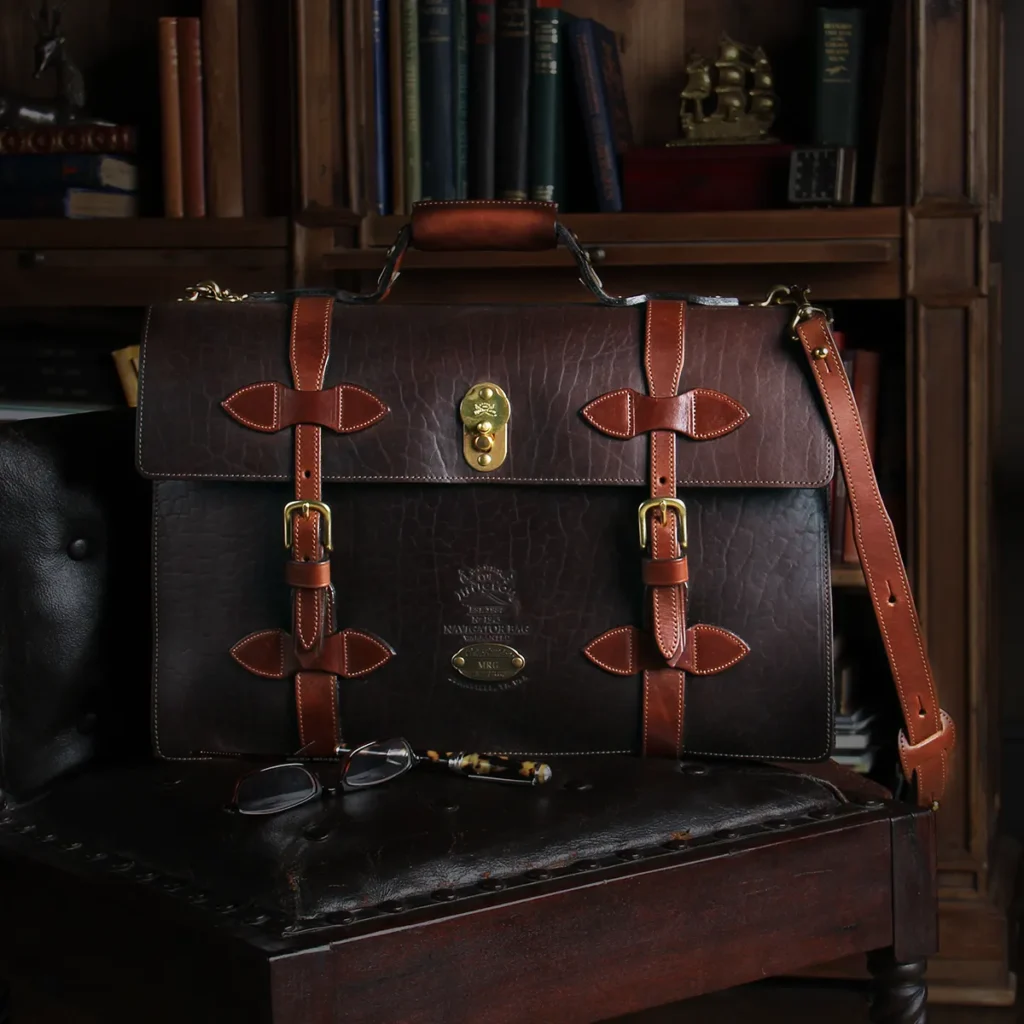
column 536, row 530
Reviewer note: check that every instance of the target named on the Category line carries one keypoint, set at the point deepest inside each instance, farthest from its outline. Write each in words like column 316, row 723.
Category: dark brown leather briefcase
column 532, row 529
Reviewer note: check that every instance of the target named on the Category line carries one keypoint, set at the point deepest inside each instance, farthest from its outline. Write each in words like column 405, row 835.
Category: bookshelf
column 915, row 273
column 918, row 272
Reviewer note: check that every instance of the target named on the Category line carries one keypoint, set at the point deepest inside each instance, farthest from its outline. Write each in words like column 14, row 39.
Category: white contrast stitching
column 274, row 425
column 375, row 418
column 628, row 392
column 708, row 435
column 280, row 650
column 633, row 667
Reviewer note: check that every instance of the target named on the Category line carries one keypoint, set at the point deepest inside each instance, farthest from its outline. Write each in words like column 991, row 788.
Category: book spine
column 545, row 100
column 461, row 93
column 512, row 99
column 382, row 134
column 35, row 172
column 170, row 117
column 614, row 87
column 120, row 138
column 72, row 204
column 437, row 57
column 867, row 367
column 220, row 29
column 837, row 94
column 395, row 96
column 597, row 121
column 193, row 163
column 411, row 101
column 481, row 99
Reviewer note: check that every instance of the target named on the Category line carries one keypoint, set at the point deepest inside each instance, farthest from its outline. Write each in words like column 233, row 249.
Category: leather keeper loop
column 665, row 572
column 308, row 575
column 478, row 224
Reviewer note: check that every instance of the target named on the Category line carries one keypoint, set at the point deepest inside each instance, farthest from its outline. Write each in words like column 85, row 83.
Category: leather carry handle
column 483, row 224
column 468, row 226
column 926, row 745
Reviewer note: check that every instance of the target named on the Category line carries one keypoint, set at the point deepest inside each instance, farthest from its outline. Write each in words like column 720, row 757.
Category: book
column 46, row 171
column 222, row 81
column 512, row 99
column 597, row 119
column 866, row 372
column 126, row 361
column 381, row 109
column 482, row 21
column 545, row 101
column 437, row 105
column 411, row 101
column 839, row 44
column 190, row 78
column 170, row 117
column 71, row 203
column 614, row 87
column 70, row 138
column 460, row 94
column 395, row 100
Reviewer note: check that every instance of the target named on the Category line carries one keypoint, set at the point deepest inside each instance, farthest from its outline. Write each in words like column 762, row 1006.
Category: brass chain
column 211, row 290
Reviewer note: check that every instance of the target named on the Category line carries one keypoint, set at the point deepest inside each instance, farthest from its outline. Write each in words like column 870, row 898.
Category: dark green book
column 840, row 44
column 437, row 99
column 461, row 95
column 411, row 100
column 545, row 103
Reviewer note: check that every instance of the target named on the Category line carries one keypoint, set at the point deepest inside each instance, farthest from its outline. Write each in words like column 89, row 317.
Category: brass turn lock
column 485, row 413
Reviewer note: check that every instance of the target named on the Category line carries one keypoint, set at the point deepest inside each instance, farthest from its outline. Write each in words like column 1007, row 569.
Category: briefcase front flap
column 216, row 395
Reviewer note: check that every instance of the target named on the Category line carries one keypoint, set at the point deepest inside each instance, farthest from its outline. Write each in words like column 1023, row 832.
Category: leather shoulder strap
column 927, row 744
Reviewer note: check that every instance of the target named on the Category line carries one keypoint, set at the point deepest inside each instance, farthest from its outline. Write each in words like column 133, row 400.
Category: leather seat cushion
column 406, row 840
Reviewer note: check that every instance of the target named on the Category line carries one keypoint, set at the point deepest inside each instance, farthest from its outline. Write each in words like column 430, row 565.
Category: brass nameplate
column 485, row 412
column 488, row 663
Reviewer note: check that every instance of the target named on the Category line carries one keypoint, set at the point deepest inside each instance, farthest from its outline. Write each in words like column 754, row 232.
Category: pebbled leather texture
column 427, row 831
column 758, row 568
column 421, row 361
column 75, row 633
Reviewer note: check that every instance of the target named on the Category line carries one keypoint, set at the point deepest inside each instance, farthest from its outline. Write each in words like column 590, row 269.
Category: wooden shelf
column 870, row 235
column 146, row 233
column 848, row 577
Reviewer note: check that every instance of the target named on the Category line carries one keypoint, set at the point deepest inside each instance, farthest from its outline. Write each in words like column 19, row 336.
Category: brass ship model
column 740, row 87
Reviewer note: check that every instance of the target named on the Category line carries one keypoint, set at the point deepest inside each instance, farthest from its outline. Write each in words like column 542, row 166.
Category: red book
column 754, row 176
column 170, row 116
column 193, row 162
column 866, row 371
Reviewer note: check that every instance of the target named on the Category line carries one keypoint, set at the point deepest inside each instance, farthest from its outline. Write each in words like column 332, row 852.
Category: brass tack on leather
column 484, row 460
column 487, row 393
column 482, row 443
column 518, row 661
column 458, row 662
column 820, row 353
column 485, row 427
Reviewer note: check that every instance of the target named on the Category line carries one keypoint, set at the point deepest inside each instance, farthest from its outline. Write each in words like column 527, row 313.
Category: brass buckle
column 304, row 507
column 662, row 505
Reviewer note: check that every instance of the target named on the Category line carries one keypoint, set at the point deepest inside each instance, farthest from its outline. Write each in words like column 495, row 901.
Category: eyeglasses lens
column 378, row 762
column 275, row 789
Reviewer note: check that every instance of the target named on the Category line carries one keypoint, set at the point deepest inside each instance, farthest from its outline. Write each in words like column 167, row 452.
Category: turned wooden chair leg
column 899, row 992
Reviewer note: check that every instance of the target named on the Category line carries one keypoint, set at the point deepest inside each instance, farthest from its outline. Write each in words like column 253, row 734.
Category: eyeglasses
column 282, row 787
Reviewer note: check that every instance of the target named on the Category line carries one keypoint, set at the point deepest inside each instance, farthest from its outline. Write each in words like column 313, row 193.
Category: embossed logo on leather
column 489, row 611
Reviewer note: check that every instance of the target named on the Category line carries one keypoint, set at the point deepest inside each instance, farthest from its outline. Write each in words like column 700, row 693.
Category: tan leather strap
column 664, row 351
column 316, row 693
column 926, row 746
